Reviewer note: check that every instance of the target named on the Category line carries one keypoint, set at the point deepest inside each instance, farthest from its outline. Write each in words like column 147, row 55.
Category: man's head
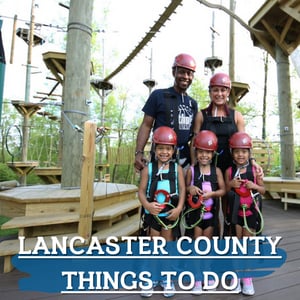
column 183, row 70
column 184, row 61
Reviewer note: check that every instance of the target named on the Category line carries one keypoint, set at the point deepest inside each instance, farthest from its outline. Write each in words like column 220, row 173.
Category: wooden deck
column 284, row 283
column 48, row 210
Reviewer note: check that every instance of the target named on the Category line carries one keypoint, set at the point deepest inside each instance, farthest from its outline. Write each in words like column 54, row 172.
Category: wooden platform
column 286, row 190
column 49, row 175
column 277, row 184
column 45, row 210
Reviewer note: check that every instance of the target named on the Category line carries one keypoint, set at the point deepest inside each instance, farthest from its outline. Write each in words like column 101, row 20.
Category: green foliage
column 200, row 93
column 6, row 173
column 6, row 232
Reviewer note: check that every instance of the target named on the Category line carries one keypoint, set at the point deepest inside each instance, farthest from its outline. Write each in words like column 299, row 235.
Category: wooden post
column 285, row 115
column 76, row 90
column 87, row 181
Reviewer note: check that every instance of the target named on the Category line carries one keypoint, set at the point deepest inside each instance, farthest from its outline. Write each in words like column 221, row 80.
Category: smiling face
column 204, row 157
column 164, row 153
column 240, row 156
column 182, row 79
column 219, row 95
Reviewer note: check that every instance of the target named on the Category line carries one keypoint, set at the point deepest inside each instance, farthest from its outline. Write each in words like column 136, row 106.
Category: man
column 170, row 107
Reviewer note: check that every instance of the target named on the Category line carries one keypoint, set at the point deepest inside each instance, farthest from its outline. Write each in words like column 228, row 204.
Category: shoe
column 169, row 289
column 147, row 292
column 247, row 287
column 197, row 289
column 238, row 288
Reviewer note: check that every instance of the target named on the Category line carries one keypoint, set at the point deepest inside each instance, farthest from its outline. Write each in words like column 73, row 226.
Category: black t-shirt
column 174, row 110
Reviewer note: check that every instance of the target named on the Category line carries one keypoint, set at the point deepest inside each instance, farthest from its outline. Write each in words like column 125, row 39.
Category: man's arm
column 141, row 140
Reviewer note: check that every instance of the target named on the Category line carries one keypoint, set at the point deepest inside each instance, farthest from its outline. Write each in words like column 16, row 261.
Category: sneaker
column 247, row 287
column 169, row 289
column 146, row 293
column 238, row 288
column 197, row 289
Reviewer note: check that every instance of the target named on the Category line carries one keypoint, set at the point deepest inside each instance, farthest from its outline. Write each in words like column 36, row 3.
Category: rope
column 161, row 222
column 244, row 207
column 185, row 225
column 13, row 144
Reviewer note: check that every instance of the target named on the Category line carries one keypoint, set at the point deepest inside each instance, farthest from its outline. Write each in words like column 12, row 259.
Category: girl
column 243, row 185
column 204, row 184
column 162, row 193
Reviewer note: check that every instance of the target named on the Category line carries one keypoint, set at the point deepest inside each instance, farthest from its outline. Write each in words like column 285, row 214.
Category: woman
column 219, row 118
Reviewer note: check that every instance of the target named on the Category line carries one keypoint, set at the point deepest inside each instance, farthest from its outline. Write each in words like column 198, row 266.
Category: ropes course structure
column 13, row 141
column 149, row 35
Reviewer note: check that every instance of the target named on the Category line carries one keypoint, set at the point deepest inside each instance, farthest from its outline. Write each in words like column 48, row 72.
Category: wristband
column 138, row 151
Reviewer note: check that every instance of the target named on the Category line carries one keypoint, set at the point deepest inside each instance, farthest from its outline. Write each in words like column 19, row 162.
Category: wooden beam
column 291, row 7
column 87, row 181
column 286, row 28
column 276, row 36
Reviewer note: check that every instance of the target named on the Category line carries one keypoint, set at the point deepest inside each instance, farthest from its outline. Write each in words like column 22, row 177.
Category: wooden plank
column 126, row 227
column 40, row 220
column 87, row 181
column 116, row 209
column 288, row 199
column 276, row 184
column 291, row 191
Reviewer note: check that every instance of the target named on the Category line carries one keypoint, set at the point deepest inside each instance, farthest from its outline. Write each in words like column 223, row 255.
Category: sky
column 123, row 27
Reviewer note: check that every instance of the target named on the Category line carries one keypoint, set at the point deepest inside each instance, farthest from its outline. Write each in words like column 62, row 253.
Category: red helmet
column 220, row 79
column 240, row 140
column 206, row 140
column 164, row 135
column 185, row 61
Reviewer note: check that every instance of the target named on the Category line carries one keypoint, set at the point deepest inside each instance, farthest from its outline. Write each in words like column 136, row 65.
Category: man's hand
column 140, row 162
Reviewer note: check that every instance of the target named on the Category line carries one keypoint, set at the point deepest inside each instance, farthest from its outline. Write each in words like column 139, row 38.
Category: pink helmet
column 164, row 135
column 220, row 79
column 206, row 140
column 185, row 61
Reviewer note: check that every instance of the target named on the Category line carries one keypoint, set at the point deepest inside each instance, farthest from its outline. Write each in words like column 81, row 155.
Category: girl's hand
column 173, row 214
column 194, row 190
column 236, row 182
column 154, row 208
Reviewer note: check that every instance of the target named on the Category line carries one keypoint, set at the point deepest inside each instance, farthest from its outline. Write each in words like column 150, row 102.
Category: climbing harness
column 249, row 200
column 246, row 207
column 204, row 206
column 196, row 202
column 161, row 196
column 164, row 199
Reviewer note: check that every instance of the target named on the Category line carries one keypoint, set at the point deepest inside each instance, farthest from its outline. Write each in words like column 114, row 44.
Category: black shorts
column 194, row 216
column 151, row 222
column 251, row 221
